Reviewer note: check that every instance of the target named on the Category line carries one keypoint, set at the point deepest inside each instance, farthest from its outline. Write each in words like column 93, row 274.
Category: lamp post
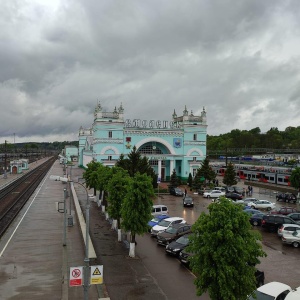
column 86, row 259
column 65, row 218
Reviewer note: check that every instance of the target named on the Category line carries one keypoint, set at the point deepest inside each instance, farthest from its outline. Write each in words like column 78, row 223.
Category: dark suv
column 286, row 197
column 176, row 191
column 172, row 233
column 273, row 222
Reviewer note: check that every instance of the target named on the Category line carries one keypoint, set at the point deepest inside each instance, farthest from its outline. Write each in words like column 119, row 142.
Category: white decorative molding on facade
column 194, row 150
column 157, row 140
column 197, row 143
column 108, row 141
column 153, row 133
column 114, row 149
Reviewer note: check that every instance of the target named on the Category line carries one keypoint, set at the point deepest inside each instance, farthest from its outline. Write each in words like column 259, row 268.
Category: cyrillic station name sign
column 138, row 123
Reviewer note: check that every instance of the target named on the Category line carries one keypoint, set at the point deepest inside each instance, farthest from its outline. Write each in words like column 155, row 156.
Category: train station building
column 178, row 144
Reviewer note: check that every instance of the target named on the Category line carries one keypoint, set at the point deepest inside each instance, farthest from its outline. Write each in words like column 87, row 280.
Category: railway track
column 14, row 196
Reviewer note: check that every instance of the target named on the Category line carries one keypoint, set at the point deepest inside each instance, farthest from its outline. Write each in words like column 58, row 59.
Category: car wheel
column 253, row 206
column 208, row 196
column 269, row 208
column 255, row 223
column 296, row 244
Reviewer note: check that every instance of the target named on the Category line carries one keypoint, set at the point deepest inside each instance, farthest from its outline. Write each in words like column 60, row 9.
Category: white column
column 171, row 167
column 159, row 168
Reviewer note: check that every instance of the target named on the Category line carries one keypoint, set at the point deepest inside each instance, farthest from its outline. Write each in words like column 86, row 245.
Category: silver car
column 292, row 239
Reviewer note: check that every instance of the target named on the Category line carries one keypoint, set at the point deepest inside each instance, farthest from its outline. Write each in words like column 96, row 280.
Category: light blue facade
column 178, row 144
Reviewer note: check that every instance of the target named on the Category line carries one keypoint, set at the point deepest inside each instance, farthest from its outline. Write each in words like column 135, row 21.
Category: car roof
column 173, row 219
column 159, row 205
column 274, row 288
column 293, row 225
column 178, row 225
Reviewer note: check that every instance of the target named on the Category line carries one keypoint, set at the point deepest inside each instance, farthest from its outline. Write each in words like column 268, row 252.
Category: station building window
column 110, row 134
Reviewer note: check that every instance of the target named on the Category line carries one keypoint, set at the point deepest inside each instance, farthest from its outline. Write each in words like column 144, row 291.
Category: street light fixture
column 86, row 259
column 87, row 222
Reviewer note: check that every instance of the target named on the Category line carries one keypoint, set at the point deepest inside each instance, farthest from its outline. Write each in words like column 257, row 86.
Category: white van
column 159, row 210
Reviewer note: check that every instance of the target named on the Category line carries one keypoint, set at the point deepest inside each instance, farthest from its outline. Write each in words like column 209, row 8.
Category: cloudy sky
column 240, row 59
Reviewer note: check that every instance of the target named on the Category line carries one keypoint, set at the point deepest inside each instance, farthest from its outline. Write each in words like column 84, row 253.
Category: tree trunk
column 114, row 224
column 132, row 250
column 132, row 245
column 119, row 235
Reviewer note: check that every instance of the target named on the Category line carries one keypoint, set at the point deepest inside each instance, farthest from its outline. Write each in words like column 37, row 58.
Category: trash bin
column 70, row 220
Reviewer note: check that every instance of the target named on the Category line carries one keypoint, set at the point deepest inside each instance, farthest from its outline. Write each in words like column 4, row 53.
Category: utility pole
column 5, row 160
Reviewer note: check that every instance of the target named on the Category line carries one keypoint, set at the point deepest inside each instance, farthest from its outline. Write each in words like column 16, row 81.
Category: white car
column 166, row 223
column 246, row 201
column 287, row 229
column 213, row 194
column 292, row 239
column 272, row 291
column 262, row 204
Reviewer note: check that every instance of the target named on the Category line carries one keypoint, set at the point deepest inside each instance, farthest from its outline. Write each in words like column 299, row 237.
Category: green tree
column 136, row 163
column 174, row 181
column 91, row 176
column 190, row 180
column 137, row 207
column 198, row 180
column 207, row 171
column 117, row 188
column 229, row 176
column 295, row 179
column 226, row 251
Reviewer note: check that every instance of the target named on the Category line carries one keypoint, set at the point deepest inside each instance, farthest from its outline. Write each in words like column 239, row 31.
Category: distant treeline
column 275, row 139
column 37, row 146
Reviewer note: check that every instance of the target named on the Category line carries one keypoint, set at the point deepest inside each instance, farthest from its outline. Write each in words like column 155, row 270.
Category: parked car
column 159, row 209
column 294, row 294
column 292, row 239
column 172, row 233
column 252, row 211
column 178, row 245
column 273, row 222
column 256, row 219
column 294, row 216
column 184, row 257
column 248, row 200
column 271, row 291
column 234, row 189
column 287, row 229
column 260, row 278
column 262, row 204
column 164, row 224
column 176, row 191
column 213, row 194
column 156, row 220
column 234, row 196
column 188, row 201
column 286, row 197
column 285, row 210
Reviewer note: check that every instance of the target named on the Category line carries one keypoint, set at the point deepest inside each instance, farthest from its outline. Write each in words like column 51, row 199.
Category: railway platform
column 34, row 263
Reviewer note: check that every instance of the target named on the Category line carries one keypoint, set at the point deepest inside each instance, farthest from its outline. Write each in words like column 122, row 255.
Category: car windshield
column 171, row 230
column 178, row 190
column 296, row 233
column 261, row 296
column 164, row 223
column 188, row 199
column 156, row 220
column 184, row 240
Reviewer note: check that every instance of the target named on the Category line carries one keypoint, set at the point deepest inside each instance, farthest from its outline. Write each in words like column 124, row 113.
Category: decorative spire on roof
column 121, row 109
column 174, row 114
column 185, row 112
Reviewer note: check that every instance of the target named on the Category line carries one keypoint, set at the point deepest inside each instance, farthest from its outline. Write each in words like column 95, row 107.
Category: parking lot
column 282, row 261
